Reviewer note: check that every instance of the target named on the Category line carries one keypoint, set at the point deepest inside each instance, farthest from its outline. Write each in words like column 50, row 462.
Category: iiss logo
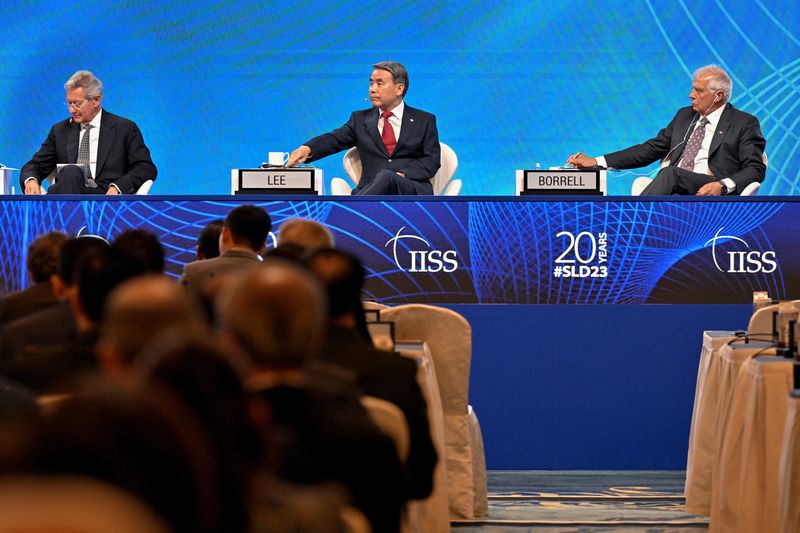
column 742, row 261
column 423, row 260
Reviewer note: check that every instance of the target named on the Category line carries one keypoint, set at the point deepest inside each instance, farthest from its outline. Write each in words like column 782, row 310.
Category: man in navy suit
column 398, row 145
column 110, row 148
column 711, row 147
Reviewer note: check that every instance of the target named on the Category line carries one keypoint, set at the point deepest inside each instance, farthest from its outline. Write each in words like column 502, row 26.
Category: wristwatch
column 725, row 189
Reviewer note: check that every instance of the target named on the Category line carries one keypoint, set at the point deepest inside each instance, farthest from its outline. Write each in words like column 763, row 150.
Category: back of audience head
column 95, row 276
column 207, row 246
column 142, row 440
column 44, row 255
column 137, row 311
column 210, row 385
column 71, row 252
column 342, row 275
column 308, row 234
column 137, row 252
column 276, row 314
column 245, row 226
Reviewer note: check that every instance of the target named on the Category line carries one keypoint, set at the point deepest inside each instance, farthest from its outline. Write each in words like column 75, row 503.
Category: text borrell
column 567, row 180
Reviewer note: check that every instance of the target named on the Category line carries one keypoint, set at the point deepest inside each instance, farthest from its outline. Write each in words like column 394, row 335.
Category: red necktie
column 388, row 133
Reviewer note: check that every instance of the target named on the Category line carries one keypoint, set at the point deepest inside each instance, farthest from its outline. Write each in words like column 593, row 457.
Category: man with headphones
column 709, row 148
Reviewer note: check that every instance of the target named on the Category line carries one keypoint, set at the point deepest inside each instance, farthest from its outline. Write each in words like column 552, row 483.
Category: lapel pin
column 411, row 119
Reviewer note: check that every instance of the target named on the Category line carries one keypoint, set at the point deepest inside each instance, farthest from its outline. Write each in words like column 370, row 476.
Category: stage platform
column 586, row 357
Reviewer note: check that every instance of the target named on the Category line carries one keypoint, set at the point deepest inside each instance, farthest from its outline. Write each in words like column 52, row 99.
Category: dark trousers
column 673, row 180
column 387, row 182
column 70, row 181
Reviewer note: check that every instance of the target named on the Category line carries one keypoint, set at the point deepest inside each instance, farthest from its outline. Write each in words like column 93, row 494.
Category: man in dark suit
column 109, row 149
column 711, row 147
column 384, row 375
column 54, row 325
column 241, row 244
column 398, row 145
column 44, row 255
column 318, row 431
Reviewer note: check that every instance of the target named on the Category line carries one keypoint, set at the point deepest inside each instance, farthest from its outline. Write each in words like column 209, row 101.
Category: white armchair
column 641, row 183
column 143, row 189
column 443, row 182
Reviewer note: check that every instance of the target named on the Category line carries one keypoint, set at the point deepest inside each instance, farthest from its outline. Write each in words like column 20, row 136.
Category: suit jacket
column 322, row 433
column 122, row 157
column 417, row 153
column 392, row 378
column 198, row 273
column 52, row 326
column 736, row 151
column 42, row 367
column 25, row 302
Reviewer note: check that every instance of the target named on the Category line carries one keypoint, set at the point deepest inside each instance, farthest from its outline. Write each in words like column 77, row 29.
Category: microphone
column 692, row 123
column 366, row 99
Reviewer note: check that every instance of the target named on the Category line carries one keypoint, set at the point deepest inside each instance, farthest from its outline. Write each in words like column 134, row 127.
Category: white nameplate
column 566, row 181
column 278, row 179
column 305, row 180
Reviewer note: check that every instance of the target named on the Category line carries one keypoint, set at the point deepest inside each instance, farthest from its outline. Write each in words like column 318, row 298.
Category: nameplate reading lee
column 278, row 179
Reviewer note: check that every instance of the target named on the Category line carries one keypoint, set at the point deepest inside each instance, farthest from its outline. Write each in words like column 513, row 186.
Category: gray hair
column 309, row 234
column 719, row 80
column 398, row 72
column 84, row 79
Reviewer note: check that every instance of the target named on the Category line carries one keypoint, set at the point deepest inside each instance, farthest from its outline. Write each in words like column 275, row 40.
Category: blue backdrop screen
column 216, row 85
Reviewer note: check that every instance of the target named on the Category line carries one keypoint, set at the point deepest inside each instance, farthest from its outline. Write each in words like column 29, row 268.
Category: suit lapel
column 105, row 141
column 72, row 142
column 675, row 157
column 722, row 127
column 408, row 126
column 371, row 127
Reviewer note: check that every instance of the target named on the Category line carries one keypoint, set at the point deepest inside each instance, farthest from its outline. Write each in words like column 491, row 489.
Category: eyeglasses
column 75, row 104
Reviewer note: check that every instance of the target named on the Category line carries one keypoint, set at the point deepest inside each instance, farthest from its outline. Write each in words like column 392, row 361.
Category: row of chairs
column 447, row 337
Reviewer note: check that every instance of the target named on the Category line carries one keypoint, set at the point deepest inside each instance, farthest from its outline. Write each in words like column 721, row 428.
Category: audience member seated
column 211, row 388
column 56, row 325
column 381, row 374
column 138, row 311
column 137, row 252
column 241, row 244
column 207, row 246
column 44, row 254
column 40, row 367
column 142, row 440
column 308, row 234
column 276, row 315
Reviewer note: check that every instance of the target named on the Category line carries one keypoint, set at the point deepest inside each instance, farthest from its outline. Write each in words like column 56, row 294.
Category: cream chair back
column 390, row 419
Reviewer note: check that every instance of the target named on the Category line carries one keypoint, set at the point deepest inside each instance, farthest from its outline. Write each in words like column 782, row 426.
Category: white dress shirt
column 94, row 139
column 396, row 120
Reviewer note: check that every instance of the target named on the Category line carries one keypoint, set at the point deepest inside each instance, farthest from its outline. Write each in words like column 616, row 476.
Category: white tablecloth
column 745, row 494
column 789, row 469
column 702, row 437
column 432, row 513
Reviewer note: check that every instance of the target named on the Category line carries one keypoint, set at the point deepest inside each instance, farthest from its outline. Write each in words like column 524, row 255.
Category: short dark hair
column 72, row 251
column 137, row 252
column 249, row 224
column 397, row 70
column 208, row 240
column 96, row 277
column 342, row 275
column 44, row 255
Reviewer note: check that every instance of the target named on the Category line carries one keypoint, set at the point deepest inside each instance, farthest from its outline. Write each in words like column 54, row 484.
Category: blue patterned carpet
column 585, row 502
